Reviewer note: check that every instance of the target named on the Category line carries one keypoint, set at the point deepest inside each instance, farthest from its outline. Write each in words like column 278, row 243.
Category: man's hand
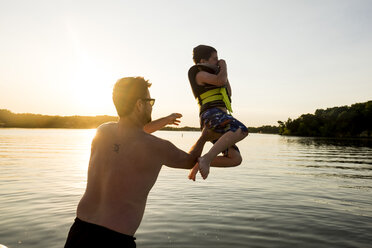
column 210, row 135
column 173, row 119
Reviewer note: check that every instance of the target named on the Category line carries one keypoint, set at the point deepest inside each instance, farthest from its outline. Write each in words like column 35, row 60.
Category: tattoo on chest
column 116, row 148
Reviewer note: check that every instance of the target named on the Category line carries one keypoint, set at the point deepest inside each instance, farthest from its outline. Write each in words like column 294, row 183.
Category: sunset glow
column 284, row 59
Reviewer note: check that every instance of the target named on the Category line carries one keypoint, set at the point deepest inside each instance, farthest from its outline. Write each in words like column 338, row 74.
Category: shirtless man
column 124, row 164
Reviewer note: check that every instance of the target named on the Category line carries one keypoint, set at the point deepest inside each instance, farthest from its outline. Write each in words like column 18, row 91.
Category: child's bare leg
column 195, row 169
column 193, row 172
column 226, row 140
column 232, row 159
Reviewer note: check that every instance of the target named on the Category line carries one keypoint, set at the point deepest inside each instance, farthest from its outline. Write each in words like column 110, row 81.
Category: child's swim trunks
column 221, row 122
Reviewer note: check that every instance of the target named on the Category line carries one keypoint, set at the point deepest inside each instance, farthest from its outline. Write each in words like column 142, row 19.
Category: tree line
column 9, row 119
column 344, row 121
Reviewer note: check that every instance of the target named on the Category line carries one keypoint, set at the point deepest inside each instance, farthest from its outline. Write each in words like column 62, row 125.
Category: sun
column 92, row 89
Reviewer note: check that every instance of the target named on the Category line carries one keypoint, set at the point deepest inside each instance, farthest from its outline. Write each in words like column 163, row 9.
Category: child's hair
column 202, row 52
column 126, row 93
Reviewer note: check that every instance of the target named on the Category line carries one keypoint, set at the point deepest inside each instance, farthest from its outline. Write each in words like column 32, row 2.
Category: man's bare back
column 124, row 165
column 122, row 170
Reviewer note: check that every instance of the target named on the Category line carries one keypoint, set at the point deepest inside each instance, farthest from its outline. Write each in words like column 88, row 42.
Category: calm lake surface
column 288, row 192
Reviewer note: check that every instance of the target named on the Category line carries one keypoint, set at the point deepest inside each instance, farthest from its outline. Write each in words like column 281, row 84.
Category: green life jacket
column 208, row 96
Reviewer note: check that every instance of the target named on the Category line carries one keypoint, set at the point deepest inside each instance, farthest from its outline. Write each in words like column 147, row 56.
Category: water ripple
column 288, row 192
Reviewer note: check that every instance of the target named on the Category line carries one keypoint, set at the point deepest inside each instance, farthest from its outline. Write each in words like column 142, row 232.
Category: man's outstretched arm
column 176, row 158
column 172, row 119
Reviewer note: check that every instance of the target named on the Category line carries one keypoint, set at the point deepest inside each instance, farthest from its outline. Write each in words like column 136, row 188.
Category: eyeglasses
column 150, row 100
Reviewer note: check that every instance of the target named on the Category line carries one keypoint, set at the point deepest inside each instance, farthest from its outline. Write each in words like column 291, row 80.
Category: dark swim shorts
column 83, row 234
column 221, row 122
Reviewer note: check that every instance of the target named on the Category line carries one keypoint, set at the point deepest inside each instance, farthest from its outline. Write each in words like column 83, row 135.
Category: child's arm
column 162, row 122
column 220, row 79
column 228, row 87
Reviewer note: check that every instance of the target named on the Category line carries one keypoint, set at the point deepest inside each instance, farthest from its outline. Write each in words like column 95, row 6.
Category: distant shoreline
column 176, row 129
column 9, row 119
column 163, row 129
column 353, row 121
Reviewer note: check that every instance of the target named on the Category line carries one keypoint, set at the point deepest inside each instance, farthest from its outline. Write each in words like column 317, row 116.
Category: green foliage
column 264, row 129
column 345, row 121
column 181, row 128
column 9, row 119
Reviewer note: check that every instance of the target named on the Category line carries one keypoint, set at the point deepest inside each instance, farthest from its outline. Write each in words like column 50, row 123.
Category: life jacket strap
column 215, row 95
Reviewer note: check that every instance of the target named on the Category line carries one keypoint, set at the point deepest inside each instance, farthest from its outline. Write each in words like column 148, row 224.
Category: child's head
column 205, row 54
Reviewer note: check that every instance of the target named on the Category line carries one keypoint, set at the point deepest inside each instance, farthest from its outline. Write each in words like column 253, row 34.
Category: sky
column 284, row 58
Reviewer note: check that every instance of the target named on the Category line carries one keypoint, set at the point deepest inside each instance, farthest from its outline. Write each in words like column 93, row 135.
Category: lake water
column 288, row 192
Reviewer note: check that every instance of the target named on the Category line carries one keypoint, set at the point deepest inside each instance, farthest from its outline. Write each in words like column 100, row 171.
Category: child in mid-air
column 211, row 88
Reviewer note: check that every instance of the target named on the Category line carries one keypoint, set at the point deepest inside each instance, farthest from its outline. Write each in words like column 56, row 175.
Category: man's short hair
column 202, row 52
column 126, row 93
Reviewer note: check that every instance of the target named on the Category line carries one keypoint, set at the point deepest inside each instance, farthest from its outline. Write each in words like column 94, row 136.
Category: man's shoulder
column 106, row 129
column 107, row 126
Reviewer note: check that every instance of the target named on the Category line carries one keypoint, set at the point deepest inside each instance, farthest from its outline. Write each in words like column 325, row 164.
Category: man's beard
column 146, row 117
column 149, row 119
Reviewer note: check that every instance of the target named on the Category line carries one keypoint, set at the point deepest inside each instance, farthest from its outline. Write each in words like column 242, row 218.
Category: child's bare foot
column 193, row 172
column 204, row 165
